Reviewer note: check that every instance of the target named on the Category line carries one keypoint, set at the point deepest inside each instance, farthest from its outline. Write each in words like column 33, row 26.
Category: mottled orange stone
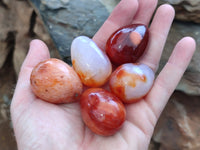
column 102, row 111
column 54, row 81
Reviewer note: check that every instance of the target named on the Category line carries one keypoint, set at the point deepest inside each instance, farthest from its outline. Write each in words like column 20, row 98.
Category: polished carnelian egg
column 127, row 44
column 55, row 81
column 131, row 82
column 102, row 111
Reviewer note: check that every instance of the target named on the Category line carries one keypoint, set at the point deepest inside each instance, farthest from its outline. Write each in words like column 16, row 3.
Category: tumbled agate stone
column 90, row 62
column 127, row 44
column 131, row 82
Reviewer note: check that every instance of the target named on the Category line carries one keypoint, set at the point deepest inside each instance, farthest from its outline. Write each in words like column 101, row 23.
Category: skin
column 41, row 125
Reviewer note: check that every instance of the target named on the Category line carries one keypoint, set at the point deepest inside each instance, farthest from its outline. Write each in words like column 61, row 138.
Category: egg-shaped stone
column 127, row 44
column 54, row 81
column 102, row 111
column 90, row 62
column 131, row 82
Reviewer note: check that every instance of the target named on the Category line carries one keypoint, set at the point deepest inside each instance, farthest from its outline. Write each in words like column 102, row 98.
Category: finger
column 38, row 52
column 170, row 75
column 158, row 32
column 122, row 15
column 145, row 11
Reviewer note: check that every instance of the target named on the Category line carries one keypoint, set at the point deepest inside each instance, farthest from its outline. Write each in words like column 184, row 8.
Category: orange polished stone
column 55, row 81
column 102, row 111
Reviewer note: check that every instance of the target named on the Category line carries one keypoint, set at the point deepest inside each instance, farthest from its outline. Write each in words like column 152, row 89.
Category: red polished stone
column 102, row 111
column 127, row 44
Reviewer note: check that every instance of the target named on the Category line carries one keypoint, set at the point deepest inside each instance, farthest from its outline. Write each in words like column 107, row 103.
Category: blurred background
column 57, row 22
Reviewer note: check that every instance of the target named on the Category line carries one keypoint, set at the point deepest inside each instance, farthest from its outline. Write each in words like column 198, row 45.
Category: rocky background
column 57, row 22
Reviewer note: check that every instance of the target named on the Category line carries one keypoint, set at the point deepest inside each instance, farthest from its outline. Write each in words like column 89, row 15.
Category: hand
column 39, row 125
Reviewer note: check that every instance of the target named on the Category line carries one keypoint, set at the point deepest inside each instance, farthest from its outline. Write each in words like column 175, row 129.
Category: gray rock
column 67, row 19
column 6, row 30
column 3, row 53
column 186, row 10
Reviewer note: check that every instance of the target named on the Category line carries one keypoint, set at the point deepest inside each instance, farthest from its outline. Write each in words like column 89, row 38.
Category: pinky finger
column 171, row 74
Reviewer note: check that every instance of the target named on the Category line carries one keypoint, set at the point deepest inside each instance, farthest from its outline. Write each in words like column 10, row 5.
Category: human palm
column 41, row 125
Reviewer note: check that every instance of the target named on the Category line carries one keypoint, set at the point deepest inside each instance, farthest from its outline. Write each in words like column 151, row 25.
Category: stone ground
column 7, row 84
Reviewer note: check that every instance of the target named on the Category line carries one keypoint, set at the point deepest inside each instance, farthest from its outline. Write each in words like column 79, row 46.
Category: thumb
column 38, row 52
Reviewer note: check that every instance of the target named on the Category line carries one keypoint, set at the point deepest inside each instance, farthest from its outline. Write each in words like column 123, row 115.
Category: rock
column 5, row 29
column 7, row 83
column 3, row 53
column 67, row 19
column 186, row 10
column 178, row 127
column 110, row 5
column 7, row 139
column 190, row 83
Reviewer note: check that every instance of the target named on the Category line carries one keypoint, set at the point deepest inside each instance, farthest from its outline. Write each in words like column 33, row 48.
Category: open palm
column 41, row 125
